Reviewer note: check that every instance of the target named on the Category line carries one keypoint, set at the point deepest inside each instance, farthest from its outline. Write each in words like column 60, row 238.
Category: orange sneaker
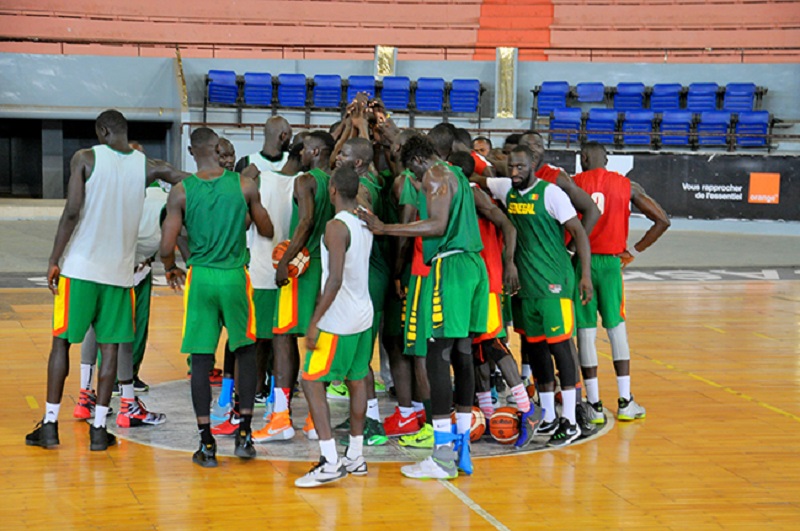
column 396, row 424
column 309, row 430
column 278, row 428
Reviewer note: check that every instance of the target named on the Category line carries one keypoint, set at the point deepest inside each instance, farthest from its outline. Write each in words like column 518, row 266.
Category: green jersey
column 323, row 212
column 380, row 244
column 215, row 218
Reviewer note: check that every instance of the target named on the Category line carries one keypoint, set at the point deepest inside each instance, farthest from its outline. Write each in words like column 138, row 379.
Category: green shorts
column 83, row 303
column 264, row 301
column 296, row 301
column 394, row 307
column 214, row 298
column 609, row 294
column 417, row 322
column 544, row 319
column 338, row 357
column 495, row 325
column 378, row 284
column 460, row 295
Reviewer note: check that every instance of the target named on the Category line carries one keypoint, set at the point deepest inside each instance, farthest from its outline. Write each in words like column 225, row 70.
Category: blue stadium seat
column 396, row 92
column 429, row 94
column 258, row 89
column 702, row 97
column 551, row 95
column 679, row 123
column 356, row 84
column 565, row 119
column 638, row 122
column 601, row 125
column 465, row 95
column 591, row 92
column 739, row 97
column 629, row 97
column 327, row 91
column 665, row 97
column 717, row 122
column 292, row 90
column 755, row 123
column 222, row 87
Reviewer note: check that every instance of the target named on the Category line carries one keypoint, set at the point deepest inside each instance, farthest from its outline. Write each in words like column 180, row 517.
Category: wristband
column 633, row 252
column 172, row 268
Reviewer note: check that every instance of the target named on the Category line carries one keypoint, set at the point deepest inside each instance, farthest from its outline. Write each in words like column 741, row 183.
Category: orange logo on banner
column 765, row 188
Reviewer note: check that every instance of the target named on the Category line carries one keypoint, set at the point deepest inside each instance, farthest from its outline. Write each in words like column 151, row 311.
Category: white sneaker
column 321, row 474
column 220, row 413
column 630, row 410
column 357, row 466
column 440, row 465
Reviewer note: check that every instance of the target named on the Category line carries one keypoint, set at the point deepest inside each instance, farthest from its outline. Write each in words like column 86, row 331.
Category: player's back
column 323, row 212
column 611, row 192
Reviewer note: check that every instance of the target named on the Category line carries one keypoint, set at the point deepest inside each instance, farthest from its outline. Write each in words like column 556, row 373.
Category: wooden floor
column 716, row 364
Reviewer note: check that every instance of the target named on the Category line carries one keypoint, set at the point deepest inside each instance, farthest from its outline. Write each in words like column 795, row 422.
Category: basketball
column 478, row 427
column 504, row 425
column 297, row 265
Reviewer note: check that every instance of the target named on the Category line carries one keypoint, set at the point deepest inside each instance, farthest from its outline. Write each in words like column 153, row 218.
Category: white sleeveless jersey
column 103, row 246
column 149, row 239
column 276, row 192
column 264, row 165
column 351, row 311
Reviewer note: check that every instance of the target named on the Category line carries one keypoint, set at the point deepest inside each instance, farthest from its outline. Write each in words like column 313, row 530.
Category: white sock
column 51, row 412
column 441, row 425
column 526, row 371
column 549, row 405
column 372, row 409
column 281, row 404
column 521, row 397
column 463, row 422
column 485, row 403
column 624, row 386
column 405, row 412
column 328, row 451
column 418, row 406
column 100, row 413
column 568, row 405
column 127, row 391
column 86, row 375
column 592, row 390
column 356, row 447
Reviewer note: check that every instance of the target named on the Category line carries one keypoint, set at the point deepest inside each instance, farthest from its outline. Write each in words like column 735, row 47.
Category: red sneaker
column 133, row 413
column 421, row 417
column 396, row 425
column 228, row 427
column 84, row 409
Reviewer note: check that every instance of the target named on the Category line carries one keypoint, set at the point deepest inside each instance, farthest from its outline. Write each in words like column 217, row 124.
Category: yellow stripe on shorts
column 251, row 308
column 287, row 307
column 437, row 316
column 61, row 307
column 321, row 357
column 187, row 286
column 568, row 314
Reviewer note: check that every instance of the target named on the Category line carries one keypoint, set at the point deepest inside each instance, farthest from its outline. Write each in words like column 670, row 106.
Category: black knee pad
column 437, row 362
column 567, row 371
column 201, row 388
column 541, row 362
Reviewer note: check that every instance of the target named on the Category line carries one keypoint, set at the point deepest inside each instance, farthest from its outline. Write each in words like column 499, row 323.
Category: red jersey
column 611, row 192
column 549, row 173
column 480, row 162
column 418, row 267
column 492, row 252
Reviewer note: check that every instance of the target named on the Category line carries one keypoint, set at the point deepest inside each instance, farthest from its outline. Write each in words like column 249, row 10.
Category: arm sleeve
column 558, row 205
column 499, row 187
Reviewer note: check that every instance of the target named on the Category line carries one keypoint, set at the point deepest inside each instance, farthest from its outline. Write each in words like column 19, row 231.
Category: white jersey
column 264, row 165
column 351, row 310
column 149, row 239
column 276, row 191
column 103, row 246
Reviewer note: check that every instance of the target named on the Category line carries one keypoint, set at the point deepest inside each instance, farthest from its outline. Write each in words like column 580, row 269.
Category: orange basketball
column 504, row 425
column 298, row 265
column 478, row 427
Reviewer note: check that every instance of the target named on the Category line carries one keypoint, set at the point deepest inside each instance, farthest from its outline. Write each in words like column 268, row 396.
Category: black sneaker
column 100, row 439
column 44, row 435
column 244, row 445
column 206, row 455
column 565, row 434
column 139, row 386
column 116, row 390
column 583, row 417
column 546, row 428
column 261, row 399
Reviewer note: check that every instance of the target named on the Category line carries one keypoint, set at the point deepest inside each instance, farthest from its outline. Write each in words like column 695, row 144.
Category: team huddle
column 362, row 238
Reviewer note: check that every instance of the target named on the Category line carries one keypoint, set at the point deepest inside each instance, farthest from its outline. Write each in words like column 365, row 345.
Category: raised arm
column 652, row 211
column 337, row 239
column 304, row 190
column 170, row 230
column 258, row 214
column 489, row 210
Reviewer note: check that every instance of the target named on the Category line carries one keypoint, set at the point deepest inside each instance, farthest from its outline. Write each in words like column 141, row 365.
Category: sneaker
column 392, row 392
column 565, row 434
column 595, row 412
column 380, row 387
column 228, row 427
column 344, row 425
column 100, row 439
column 206, row 455
column 629, row 409
column 44, row 435
column 396, row 425
column 84, row 409
column 115, row 391
column 546, row 428
column 261, row 399
column 440, row 465
column 422, row 439
column 357, row 466
column 373, row 434
column 215, row 377
column 321, row 474
column 583, row 418
column 243, row 447
column 139, row 386
column 309, row 430
column 421, row 417
column 527, row 427
column 133, row 413
column 278, row 428
column 220, row 413
column 338, row 392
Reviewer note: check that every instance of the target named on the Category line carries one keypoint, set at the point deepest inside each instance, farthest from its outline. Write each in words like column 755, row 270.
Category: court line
column 477, row 509
column 32, row 403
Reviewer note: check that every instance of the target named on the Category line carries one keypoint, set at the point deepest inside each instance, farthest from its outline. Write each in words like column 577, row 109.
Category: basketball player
column 451, row 243
column 274, row 151
column 218, row 289
column 96, row 238
column 339, row 336
column 227, row 154
column 311, row 210
column 543, row 307
column 482, row 145
column 613, row 194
